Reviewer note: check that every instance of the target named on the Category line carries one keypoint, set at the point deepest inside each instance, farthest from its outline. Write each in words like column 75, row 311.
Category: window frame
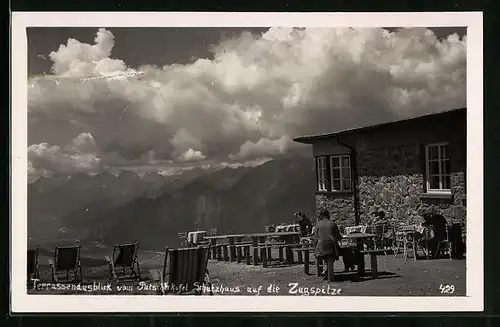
column 440, row 159
column 325, row 178
column 341, row 178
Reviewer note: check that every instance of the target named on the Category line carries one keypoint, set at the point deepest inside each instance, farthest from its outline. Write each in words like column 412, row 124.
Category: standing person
column 304, row 223
column 327, row 236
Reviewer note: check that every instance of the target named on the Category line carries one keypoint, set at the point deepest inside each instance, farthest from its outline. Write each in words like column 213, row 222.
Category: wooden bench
column 233, row 255
column 243, row 251
column 265, row 249
column 221, row 252
column 373, row 259
column 303, row 253
column 303, row 257
column 269, row 246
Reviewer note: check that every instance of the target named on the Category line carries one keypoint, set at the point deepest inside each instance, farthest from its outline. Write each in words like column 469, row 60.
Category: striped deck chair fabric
column 185, row 271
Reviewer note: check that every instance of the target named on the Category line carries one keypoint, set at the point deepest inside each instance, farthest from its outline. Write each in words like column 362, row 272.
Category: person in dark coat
column 305, row 224
column 327, row 236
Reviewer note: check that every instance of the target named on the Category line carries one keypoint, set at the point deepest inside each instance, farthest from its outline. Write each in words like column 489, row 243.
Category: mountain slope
column 52, row 202
column 251, row 198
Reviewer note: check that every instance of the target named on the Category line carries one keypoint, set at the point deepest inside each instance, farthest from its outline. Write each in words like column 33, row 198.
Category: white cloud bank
column 256, row 94
column 79, row 156
column 191, row 155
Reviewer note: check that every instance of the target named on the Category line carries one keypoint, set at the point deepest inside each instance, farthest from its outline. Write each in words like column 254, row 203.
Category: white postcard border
column 22, row 302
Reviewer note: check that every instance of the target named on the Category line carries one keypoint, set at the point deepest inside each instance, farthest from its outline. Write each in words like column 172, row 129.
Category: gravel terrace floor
column 397, row 277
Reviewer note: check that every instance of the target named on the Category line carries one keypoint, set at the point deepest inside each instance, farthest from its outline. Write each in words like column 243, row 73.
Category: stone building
column 402, row 167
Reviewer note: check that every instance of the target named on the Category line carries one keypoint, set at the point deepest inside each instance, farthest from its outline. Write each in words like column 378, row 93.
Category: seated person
column 438, row 225
column 304, row 223
column 380, row 217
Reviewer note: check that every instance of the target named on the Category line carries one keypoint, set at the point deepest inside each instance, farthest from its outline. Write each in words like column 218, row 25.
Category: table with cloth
column 196, row 237
column 287, row 228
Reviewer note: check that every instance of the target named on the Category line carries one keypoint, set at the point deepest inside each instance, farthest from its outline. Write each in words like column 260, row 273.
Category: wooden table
column 289, row 237
column 359, row 237
column 256, row 238
column 231, row 238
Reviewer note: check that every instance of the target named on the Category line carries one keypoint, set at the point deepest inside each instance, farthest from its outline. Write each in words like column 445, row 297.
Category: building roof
column 308, row 139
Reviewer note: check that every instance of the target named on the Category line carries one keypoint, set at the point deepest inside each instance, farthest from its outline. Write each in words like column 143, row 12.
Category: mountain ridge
column 241, row 199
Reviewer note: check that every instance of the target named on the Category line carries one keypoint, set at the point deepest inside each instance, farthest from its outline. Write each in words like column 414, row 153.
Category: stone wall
column 340, row 206
column 391, row 180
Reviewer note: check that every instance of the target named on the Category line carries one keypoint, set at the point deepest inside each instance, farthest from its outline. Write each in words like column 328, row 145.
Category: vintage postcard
column 247, row 162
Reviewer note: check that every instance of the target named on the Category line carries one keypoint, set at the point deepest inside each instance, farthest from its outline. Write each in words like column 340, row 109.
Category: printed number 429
column 447, row 289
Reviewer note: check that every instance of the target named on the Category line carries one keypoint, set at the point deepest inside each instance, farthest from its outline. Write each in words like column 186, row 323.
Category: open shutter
column 316, row 169
column 463, row 164
column 353, row 170
column 423, row 167
column 328, row 174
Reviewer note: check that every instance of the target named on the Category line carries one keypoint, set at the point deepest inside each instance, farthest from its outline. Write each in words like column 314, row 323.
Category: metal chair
column 378, row 241
column 444, row 245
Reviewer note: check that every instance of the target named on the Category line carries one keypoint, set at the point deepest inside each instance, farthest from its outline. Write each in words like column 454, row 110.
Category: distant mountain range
column 152, row 209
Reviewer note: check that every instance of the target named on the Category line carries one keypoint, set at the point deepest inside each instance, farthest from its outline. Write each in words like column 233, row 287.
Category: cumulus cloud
column 81, row 59
column 78, row 156
column 191, row 155
column 262, row 148
column 249, row 100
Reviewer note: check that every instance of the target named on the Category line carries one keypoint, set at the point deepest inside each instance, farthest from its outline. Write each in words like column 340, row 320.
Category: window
column 334, row 173
column 321, row 170
column 438, row 167
column 340, row 173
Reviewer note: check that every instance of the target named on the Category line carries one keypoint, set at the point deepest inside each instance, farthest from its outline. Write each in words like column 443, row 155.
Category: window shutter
column 423, row 167
column 316, row 169
column 463, row 153
column 328, row 175
column 449, row 155
column 353, row 169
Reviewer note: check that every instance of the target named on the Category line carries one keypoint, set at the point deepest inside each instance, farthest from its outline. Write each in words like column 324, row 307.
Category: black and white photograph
column 334, row 162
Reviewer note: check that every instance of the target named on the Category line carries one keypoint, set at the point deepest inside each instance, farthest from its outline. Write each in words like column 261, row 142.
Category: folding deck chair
column 66, row 259
column 185, row 271
column 33, row 269
column 124, row 257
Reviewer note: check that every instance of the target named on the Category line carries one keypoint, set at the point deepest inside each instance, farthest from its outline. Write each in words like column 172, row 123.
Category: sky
column 176, row 98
